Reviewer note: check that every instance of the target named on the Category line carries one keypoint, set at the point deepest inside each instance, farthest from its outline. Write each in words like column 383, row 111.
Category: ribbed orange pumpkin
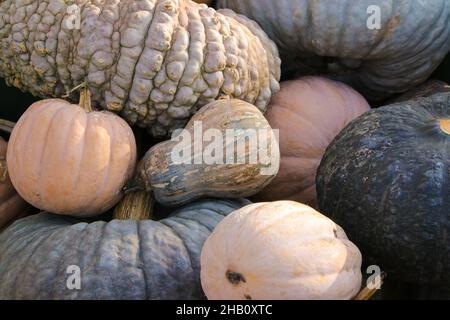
column 12, row 206
column 65, row 160
column 309, row 113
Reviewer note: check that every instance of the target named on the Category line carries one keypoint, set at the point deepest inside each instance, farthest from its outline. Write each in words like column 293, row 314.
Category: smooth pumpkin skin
column 174, row 183
column 309, row 113
column 332, row 37
column 385, row 180
column 121, row 259
column 279, row 250
column 66, row 161
column 12, row 206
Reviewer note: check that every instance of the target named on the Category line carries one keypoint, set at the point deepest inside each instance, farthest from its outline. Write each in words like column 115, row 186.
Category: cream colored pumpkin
column 64, row 160
column 279, row 250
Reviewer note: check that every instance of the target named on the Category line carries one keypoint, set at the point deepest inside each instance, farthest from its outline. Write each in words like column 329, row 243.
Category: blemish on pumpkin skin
column 234, row 277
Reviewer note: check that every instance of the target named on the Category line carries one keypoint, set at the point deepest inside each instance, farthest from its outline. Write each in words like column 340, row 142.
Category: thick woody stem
column 135, row 206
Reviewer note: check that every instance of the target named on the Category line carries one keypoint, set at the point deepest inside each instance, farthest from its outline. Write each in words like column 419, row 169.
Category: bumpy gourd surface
column 118, row 260
column 154, row 61
column 332, row 36
column 385, row 180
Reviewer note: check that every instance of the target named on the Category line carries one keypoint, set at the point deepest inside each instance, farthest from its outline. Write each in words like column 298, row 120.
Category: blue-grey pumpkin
column 342, row 38
column 121, row 259
column 386, row 180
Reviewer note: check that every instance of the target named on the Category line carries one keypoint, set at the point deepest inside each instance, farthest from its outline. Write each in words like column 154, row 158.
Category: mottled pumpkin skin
column 385, row 180
column 174, row 182
column 153, row 61
column 332, row 37
column 308, row 112
column 121, row 259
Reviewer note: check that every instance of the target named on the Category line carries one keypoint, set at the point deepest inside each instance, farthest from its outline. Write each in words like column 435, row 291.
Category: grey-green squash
column 120, row 259
column 380, row 47
column 385, row 179
column 227, row 150
column 153, row 61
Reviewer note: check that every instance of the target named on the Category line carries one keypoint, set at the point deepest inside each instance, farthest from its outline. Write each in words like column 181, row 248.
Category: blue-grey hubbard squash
column 153, row 61
column 386, row 180
column 342, row 38
column 120, row 259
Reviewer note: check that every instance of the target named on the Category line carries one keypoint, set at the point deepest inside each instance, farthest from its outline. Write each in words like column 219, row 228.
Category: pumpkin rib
column 141, row 262
column 83, row 152
column 22, row 138
column 72, row 240
column 30, row 255
column 105, row 177
column 41, row 156
column 169, row 227
column 66, row 150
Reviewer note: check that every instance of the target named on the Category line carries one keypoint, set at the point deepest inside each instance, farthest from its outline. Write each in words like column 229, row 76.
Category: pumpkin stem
column 85, row 99
column 6, row 126
column 135, row 206
column 85, row 96
column 445, row 125
column 366, row 293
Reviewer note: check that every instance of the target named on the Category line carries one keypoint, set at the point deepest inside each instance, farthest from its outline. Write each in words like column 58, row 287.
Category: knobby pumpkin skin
column 279, row 250
column 12, row 206
column 153, row 61
column 121, row 259
column 309, row 113
column 384, row 179
column 64, row 160
column 332, row 37
column 174, row 182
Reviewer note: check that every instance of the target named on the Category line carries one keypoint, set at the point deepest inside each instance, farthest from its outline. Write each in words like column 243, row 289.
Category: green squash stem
column 135, row 206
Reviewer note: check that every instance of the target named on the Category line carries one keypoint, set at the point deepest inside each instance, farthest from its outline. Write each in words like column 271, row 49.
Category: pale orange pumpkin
column 12, row 206
column 279, row 250
column 309, row 113
column 65, row 160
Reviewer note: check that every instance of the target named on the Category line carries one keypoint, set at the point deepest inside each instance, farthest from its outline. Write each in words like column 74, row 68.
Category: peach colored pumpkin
column 12, row 206
column 279, row 250
column 309, row 113
column 65, row 160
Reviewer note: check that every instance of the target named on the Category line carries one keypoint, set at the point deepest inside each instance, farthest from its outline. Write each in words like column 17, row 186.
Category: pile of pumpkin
column 114, row 205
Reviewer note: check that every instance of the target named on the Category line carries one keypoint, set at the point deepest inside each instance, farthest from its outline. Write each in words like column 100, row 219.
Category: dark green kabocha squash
column 386, row 180
column 121, row 259
column 378, row 46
